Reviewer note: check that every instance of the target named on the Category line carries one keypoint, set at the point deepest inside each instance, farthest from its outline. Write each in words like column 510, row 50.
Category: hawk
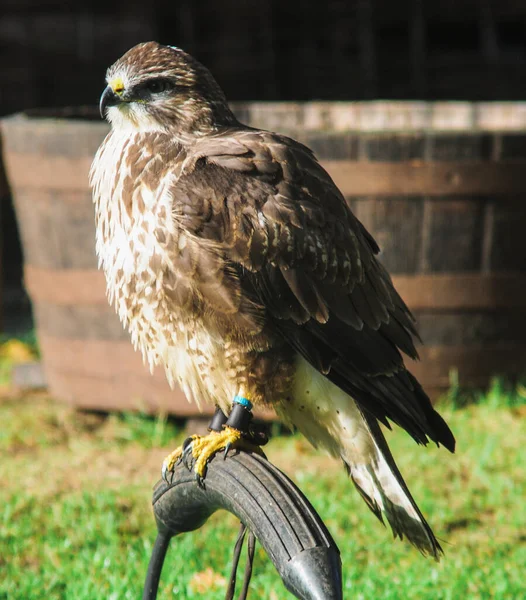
column 236, row 264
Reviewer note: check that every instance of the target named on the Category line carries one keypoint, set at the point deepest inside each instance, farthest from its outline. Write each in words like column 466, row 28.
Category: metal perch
column 268, row 504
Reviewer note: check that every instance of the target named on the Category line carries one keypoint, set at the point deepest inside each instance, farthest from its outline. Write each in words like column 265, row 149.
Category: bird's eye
column 156, row 86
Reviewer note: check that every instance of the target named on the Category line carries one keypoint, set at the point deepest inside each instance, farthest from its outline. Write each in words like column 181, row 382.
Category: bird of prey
column 237, row 266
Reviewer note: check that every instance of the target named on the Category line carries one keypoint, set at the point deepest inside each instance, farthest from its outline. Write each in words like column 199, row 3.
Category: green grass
column 76, row 521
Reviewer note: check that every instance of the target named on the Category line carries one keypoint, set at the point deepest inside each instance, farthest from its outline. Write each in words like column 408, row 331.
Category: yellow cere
column 117, row 85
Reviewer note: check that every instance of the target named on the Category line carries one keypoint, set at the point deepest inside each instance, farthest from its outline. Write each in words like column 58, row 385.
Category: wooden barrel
column 87, row 356
column 440, row 186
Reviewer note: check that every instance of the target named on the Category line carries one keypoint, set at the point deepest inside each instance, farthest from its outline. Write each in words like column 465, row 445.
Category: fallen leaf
column 206, row 580
column 16, row 351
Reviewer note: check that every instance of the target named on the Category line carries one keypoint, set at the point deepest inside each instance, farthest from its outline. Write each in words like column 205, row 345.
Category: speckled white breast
column 134, row 231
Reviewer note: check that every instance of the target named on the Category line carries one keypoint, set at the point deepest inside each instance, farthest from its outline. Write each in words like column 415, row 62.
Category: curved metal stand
column 268, row 503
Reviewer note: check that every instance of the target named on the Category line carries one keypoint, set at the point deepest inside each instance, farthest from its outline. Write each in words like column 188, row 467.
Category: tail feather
column 384, row 490
column 330, row 418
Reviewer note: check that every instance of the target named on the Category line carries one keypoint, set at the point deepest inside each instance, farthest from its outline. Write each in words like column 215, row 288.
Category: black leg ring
column 218, row 420
column 239, row 418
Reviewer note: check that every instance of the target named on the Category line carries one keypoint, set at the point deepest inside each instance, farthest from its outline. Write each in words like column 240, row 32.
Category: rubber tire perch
column 268, row 503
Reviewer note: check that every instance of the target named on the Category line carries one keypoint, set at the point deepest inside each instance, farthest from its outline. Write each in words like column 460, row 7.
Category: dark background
column 56, row 53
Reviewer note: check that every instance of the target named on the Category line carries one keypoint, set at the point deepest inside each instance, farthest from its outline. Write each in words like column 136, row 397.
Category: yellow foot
column 202, row 448
column 174, row 457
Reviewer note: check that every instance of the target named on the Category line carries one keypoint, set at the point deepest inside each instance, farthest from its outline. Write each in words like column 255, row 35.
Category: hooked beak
column 108, row 98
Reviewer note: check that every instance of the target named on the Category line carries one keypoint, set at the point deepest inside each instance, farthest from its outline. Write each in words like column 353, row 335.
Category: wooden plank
column 352, row 177
column 133, row 393
column 462, row 291
column 461, row 146
column 391, row 147
column 479, row 178
column 110, row 375
column 79, row 321
column 95, row 357
column 458, row 291
column 331, row 145
column 67, row 131
column 512, row 145
column 508, row 244
column 57, row 228
column 107, row 374
column 69, row 286
column 38, row 171
column 396, row 225
column 455, row 235
column 436, row 326
column 469, row 328
column 475, row 364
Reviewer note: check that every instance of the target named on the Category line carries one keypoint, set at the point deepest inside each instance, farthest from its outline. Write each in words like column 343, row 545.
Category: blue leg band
column 243, row 401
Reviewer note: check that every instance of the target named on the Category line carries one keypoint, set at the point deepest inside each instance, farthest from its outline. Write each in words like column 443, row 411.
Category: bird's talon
column 227, row 448
column 188, row 443
column 175, row 458
column 168, row 468
column 187, row 460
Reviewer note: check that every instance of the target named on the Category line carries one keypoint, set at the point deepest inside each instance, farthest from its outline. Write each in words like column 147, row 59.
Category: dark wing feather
column 300, row 253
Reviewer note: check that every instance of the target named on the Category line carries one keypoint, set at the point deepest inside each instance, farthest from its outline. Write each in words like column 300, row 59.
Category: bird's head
column 161, row 88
